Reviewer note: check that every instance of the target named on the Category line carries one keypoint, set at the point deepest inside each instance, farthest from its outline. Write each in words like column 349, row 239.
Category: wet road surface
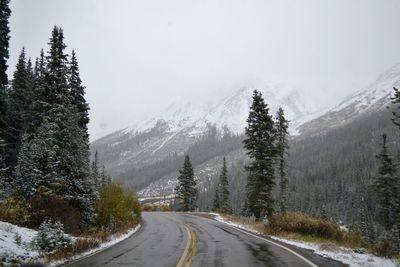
column 179, row 239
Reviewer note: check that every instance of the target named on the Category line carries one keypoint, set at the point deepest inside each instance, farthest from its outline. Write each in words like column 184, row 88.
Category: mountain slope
column 181, row 126
column 374, row 98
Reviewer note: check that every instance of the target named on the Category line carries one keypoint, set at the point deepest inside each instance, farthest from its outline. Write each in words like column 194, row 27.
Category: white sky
column 139, row 56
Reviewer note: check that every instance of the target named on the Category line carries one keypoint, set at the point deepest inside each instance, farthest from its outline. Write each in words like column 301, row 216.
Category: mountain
column 147, row 156
column 179, row 127
column 374, row 98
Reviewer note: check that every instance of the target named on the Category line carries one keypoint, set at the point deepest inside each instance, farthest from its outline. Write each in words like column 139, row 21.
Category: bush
column 14, row 210
column 306, row 225
column 51, row 237
column 148, row 207
column 117, row 207
column 45, row 205
column 164, row 208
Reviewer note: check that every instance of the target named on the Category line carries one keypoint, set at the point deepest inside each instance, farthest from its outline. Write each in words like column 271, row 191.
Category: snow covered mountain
column 374, row 98
column 180, row 126
column 148, row 155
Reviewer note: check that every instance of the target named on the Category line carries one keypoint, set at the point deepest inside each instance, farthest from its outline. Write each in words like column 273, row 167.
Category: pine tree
column 224, row 189
column 53, row 89
column 216, row 203
column 396, row 101
column 282, row 146
column 186, row 192
column 78, row 95
column 259, row 143
column 5, row 13
column 37, row 162
column 385, row 186
column 95, row 169
column 20, row 109
column 54, row 106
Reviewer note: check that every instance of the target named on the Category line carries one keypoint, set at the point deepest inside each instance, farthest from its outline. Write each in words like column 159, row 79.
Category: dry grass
column 302, row 227
column 90, row 239
column 153, row 207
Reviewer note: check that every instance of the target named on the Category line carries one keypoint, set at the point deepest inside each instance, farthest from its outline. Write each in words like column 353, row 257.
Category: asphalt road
column 176, row 239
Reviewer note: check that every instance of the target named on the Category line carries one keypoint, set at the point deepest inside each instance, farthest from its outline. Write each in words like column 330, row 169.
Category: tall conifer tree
column 20, row 108
column 385, row 186
column 5, row 13
column 186, row 191
column 78, row 95
column 282, row 146
column 259, row 144
column 224, row 188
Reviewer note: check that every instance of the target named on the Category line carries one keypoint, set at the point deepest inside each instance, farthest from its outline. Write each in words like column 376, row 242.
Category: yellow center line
column 186, row 251
column 190, row 248
column 193, row 248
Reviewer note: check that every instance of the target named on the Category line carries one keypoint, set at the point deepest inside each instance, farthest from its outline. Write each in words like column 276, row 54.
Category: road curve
column 177, row 239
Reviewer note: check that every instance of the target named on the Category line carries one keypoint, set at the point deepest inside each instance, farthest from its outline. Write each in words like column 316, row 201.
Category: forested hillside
column 329, row 174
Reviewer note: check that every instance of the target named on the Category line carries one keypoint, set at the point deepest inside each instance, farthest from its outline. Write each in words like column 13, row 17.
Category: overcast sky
column 139, row 56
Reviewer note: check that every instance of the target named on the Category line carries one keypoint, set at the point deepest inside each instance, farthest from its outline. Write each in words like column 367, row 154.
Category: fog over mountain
column 138, row 57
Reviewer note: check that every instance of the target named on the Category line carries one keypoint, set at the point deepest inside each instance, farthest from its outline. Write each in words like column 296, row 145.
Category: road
column 176, row 239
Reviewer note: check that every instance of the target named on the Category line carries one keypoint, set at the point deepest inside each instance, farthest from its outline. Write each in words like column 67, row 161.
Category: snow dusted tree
column 57, row 154
column 51, row 237
column 95, row 169
column 77, row 91
column 20, row 107
column 186, row 191
column 386, row 187
column 224, row 188
column 217, row 202
column 37, row 162
column 5, row 13
column 396, row 101
column 282, row 146
column 259, row 144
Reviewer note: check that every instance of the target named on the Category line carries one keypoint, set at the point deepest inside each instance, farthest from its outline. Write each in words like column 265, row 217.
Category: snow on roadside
column 113, row 240
column 345, row 255
column 12, row 249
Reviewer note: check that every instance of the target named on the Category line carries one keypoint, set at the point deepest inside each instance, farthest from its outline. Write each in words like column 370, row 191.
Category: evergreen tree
column 224, row 189
column 259, row 143
column 53, row 89
column 54, row 106
column 396, row 101
column 282, row 146
column 20, row 109
column 104, row 178
column 37, row 162
column 216, row 203
column 95, row 169
column 385, row 186
column 5, row 13
column 186, row 192
column 78, row 95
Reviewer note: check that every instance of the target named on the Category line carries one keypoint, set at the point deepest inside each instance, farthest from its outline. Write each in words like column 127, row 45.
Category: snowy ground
column 12, row 251
column 345, row 255
column 113, row 240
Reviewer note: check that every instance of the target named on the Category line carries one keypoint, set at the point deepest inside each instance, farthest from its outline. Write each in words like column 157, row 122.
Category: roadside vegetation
column 303, row 227
column 156, row 207
column 47, row 180
column 265, row 207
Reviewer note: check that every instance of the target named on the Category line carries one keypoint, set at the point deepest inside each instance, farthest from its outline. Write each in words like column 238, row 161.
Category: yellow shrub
column 14, row 210
column 306, row 225
column 117, row 206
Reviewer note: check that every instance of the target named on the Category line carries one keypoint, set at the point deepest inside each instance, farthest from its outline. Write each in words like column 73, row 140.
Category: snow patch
column 345, row 255
column 115, row 239
column 10, row 249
